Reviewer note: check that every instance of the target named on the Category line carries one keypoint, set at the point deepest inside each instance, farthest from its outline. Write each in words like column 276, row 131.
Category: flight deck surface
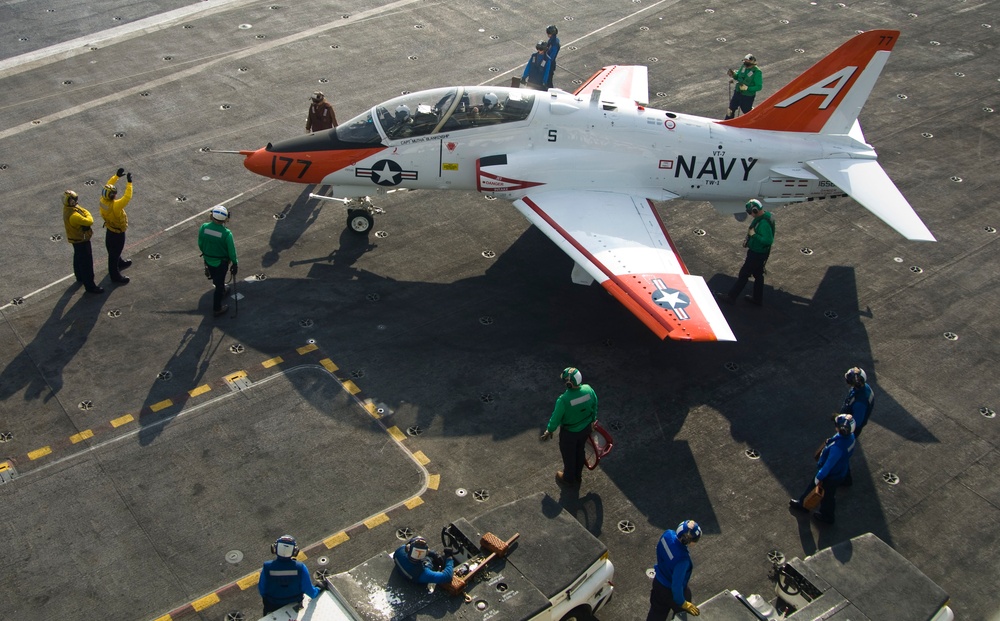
column 362, row 388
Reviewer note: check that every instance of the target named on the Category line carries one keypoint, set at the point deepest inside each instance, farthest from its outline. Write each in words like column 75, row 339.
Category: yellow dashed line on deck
column 248, row 581
column 267, row 364
column 165, row 618
column 156, row 407
column 336, row 540
column 414, row 502
column 80, row 437
column 434, row 481
column 42, row 452
column 122, row 420
column 423, row 459
column 305, row 349
column 328, row 365
column 351, row 387
column 203, row 603
column 396, row 433
column 199, row 390
column 372, row 522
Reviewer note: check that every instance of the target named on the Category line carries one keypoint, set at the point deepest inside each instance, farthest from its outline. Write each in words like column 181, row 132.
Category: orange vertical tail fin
column 829, row 95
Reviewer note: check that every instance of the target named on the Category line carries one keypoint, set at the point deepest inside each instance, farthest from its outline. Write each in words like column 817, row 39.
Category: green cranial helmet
column 572, row 377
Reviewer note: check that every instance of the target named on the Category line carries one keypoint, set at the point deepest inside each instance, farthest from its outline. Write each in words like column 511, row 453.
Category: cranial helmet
column 416, row 548
column 749, row 57
column 552, row 30
column 540, row 45
column 845, row 423
column 402, row 112
column 572, row 377
column 318, row 96
column 68, row 194
column 490, row 99
column 285, row 547
column 856, row 376
column 688, row 531
column 220, row 213
column 109, row 191
column 754, row 205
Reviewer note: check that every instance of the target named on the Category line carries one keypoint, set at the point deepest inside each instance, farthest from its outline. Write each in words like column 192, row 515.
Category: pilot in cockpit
column 403, row 122
column 489, row 112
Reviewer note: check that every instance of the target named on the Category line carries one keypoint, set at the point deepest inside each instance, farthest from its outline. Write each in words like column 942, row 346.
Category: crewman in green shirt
column 749, row 80
column 574, row 415
column 217, row 248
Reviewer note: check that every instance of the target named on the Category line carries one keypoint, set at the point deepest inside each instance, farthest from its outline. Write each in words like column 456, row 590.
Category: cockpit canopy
column 436, row 111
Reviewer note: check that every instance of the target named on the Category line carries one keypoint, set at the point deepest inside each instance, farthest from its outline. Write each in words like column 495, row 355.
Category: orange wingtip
column 663, row 303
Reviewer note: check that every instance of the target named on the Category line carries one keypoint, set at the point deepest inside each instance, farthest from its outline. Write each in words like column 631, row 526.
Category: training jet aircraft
column 584, row 167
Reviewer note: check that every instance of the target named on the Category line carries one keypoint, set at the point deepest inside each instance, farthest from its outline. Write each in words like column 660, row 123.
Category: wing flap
column 619, row 240
column 866, row 182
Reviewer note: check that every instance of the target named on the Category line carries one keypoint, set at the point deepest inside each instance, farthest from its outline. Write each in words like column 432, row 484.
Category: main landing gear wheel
column 359, row 221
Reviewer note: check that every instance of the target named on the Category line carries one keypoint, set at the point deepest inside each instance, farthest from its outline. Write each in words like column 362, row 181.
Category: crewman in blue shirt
column 284, row 580
column 670, row 593
column 833, row 463
column 860, row 400
column 418, row 563
column 552, row 49
column 536, row 72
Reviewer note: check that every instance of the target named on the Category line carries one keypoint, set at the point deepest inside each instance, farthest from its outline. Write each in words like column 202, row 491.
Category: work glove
column 690, row 608
column 208, row 274
column 233, row 269
column 129, row 177
column 546, row 436
column 448, row 553
column 120, row 173
column 730, row 73
column 743, row 87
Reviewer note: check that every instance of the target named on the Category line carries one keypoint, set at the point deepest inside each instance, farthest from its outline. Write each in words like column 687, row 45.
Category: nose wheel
column 359, row 221
column 360, row 217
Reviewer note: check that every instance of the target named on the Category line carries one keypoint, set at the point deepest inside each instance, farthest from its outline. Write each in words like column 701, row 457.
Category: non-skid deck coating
column 433, row 346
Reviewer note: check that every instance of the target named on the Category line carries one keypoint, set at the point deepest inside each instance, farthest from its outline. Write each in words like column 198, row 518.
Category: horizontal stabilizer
column 866, row 182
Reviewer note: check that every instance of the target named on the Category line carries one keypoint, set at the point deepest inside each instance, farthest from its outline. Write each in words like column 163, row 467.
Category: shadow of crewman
column 40, row 364
column 187, row 367
column 291, row 223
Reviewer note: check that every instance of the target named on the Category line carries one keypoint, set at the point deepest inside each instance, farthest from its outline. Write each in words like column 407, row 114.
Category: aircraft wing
column 628, row 81
column 620, row 242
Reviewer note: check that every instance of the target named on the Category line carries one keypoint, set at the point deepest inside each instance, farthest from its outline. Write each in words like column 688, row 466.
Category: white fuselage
column 571, row 143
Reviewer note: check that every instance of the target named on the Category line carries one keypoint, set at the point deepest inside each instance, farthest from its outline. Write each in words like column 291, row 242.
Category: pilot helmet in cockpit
column 402, row 113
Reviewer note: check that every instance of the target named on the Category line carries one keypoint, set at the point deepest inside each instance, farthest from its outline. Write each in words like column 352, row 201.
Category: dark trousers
column 752, row 266
column 115, row 243
column 218, row 274
column 83, row 263
column 829, row 503
column 661, row 602
column 740, row 100
column 572, row 445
